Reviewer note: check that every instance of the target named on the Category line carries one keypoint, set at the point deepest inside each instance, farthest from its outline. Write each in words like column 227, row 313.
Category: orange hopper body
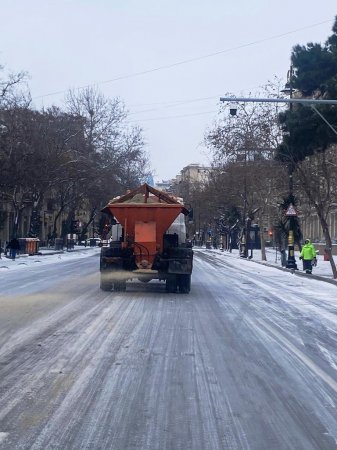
column 145, row 214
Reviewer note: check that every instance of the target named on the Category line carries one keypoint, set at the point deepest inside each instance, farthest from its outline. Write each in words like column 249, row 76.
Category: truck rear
column 148, row 241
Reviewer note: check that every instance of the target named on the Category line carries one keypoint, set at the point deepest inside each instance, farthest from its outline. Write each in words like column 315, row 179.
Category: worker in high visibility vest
column 308, row 255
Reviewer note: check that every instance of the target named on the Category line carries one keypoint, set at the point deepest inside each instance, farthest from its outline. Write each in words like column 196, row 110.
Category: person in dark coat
column 14, row 246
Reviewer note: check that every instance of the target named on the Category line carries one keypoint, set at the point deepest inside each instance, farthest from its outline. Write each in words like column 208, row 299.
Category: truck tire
column 105, row 284
column 120, row 286
column 171, row 284
column 184, row 283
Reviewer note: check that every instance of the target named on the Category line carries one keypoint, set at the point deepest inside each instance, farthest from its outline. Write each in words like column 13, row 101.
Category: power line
column 176, row 117
column 187, row 61
column 180, row 102
column 174, row 104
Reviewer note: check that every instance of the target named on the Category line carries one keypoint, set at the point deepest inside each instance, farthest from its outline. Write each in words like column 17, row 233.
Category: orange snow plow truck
column 147, row 241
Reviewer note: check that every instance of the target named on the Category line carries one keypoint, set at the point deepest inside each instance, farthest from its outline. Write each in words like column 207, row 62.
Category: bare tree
column 10, row 87
column 117, row 149
column 243, row 149
column 81, row 157
column 103, row 117
column 317, row 175
column 40, row 150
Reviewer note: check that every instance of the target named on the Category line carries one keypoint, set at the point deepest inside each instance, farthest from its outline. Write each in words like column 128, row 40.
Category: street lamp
column 288, row 88
column 302, row 101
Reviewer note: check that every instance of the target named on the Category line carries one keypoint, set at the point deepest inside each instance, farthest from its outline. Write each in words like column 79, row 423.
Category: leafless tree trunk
column 318, row 178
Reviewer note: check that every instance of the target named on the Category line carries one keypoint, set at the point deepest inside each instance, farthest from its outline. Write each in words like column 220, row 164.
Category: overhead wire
column 186, row 61
column 178, row 116
column 174, row 104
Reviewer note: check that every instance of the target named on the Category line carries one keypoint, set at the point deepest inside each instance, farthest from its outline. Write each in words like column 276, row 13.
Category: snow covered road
column 248, row 360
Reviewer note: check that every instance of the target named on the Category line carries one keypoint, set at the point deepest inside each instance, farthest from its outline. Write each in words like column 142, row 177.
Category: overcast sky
column 200, row 50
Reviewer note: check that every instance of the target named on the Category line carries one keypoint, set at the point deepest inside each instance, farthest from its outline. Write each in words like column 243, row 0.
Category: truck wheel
column 105, row 284
column 171, row 284
column 120, row 286
column 184, row 283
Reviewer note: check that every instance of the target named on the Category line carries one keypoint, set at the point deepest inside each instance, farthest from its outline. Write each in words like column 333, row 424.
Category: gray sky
column 200, row 50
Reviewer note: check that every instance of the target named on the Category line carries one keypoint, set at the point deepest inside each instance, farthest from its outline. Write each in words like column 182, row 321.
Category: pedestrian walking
column 14, row 246
column 308, row 255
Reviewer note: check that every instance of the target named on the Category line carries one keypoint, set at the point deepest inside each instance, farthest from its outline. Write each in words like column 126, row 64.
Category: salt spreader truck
column 148, row 241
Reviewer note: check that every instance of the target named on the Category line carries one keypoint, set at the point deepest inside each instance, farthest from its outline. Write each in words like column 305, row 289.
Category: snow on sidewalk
column 323, row 268
column 46, row 256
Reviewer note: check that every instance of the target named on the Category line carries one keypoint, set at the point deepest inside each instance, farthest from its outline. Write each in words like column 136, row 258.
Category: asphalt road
column 236, row 364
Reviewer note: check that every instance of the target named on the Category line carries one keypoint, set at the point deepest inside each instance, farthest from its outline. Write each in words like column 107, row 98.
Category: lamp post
column 291, row 212
column 246, row 222
column 3, row 131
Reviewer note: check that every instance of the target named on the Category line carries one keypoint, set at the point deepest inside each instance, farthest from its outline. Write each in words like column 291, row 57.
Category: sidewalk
column 321, row 272
column 45, row 256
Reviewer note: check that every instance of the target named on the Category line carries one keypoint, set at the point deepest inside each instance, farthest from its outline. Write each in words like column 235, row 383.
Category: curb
column 48, row 252
column 296, row 272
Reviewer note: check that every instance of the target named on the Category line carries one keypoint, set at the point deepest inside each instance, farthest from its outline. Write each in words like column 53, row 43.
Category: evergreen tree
column 315, row 76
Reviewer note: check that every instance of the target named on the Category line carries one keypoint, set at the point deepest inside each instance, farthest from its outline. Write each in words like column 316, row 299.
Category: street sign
column 291, row 211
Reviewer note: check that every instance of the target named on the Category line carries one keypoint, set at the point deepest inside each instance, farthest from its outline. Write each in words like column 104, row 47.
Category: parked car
column 93, row 242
